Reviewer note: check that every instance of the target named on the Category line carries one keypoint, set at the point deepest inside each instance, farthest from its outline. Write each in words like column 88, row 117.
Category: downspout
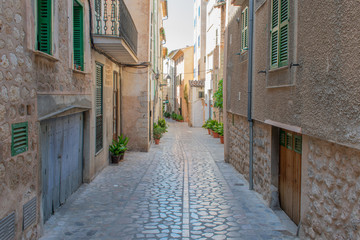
column 250, row 78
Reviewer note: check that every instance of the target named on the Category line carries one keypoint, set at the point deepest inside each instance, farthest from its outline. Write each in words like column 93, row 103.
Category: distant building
column 184, row 63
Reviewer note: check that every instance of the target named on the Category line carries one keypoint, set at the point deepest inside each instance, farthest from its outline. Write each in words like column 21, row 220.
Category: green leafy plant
column 218, row 96
column 157, row 131
column 173, row 115
column 167, row 114
column 162, row 123
column 206, row 124
column 220, row 129
column 118, row 147
column 179, row 118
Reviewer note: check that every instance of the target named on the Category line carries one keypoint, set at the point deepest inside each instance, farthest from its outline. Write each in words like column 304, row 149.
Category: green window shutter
column 274, row 34
column 298, row 144
column 99, row 108
column 279, row 33
column 44, row 26
column 244, row 29
column 282, row 138
column 19, row 138
column 289, row 141
column 284, row 33
column 78, row 38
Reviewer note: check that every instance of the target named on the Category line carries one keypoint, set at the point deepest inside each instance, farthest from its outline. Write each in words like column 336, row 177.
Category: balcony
column 115, row 32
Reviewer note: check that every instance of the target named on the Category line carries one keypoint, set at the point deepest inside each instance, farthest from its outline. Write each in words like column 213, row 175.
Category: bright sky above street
column 179, row 26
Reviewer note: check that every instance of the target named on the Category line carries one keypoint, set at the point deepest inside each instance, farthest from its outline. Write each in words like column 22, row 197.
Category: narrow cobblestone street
column 181, row 189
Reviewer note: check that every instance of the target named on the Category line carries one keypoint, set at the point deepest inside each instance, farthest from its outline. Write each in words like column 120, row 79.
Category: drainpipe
column 250, row 78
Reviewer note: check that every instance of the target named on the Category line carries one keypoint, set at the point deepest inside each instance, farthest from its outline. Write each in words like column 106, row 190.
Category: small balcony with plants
column 114, row 31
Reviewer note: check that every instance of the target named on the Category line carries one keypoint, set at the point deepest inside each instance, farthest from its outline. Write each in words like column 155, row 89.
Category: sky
column 179, row 28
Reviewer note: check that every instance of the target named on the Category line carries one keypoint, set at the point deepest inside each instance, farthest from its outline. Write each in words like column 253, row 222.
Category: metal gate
column 61, row 156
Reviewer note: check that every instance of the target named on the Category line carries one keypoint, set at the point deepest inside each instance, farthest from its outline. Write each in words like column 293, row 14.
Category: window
column 99, row 108
column 44, row 23
column 279, row 33
column 19, row 138
column 78, row 35
column 244, row 29
column 201, row 94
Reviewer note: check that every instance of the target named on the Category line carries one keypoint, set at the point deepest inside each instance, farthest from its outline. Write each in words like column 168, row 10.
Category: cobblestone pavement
column 181, row 189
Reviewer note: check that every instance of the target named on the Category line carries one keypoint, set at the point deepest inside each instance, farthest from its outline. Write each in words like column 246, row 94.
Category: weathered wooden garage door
column 290, row 174
column 61, row 156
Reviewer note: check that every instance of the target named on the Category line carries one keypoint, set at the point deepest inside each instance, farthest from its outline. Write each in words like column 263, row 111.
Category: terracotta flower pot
column 209, row 132
column 157, row 141
column 117, row 159
column 222, row 139
column 216, row 135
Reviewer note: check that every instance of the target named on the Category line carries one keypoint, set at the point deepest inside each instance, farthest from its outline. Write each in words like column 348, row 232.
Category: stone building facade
column 306, row 141
column 58, row 78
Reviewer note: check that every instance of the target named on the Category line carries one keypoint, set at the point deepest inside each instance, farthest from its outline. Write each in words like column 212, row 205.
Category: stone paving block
column 181, row 189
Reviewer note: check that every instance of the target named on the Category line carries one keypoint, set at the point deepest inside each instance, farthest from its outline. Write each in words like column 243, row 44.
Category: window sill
column 80, row 72
column 45, row 55
column 278, row 69
column 281, row 86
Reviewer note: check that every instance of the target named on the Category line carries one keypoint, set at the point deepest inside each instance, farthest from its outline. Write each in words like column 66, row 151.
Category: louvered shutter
column 242, row 30
column 99, row 107
column 284, row 33
column 78, row 38
column 246, row 34
column 298, row 144
column 19, row 138
column 44, row 26
column 289, row 141
column 274, row 33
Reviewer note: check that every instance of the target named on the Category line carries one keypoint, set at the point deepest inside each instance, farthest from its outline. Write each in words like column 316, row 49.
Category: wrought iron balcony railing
column 114, row 19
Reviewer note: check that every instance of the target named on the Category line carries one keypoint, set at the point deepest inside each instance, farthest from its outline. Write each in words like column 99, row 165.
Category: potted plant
column 173, row 116
column 221, row 132
column 157, row 133
column 215, row 130
column 118, row 149
column 180, row 118
column 162, row 124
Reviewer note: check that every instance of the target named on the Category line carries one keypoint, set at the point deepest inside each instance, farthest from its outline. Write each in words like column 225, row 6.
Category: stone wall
column 18, row 174
column 331, row 191
column 239, row 152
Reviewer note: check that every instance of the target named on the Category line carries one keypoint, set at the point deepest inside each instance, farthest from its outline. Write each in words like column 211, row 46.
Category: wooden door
column 61, row 160
column 290, row 174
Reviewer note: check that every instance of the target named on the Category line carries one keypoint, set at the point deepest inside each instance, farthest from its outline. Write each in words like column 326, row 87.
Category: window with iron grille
column 78, row 35
column 44, row 24
column 19, row 138
column 279, row 33
column 99, row 107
